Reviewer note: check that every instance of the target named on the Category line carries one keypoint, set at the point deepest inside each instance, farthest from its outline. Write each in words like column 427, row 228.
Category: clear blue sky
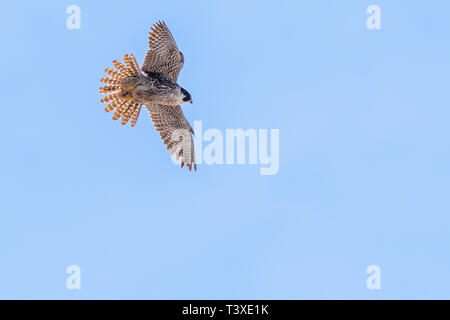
column 364, row 153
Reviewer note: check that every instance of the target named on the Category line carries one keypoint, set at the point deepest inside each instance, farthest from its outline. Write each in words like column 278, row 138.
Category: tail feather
column 135, row 115
column 111, row 97
column 122, row 69
column 131, row 63
column 122, row 109
column 113, row 105
column 127, row 115
column 117, row 96
column 108, row 89
column 110, row 80
column 114, row 74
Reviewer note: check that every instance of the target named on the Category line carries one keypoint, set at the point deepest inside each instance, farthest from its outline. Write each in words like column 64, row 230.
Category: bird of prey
column 127, row 90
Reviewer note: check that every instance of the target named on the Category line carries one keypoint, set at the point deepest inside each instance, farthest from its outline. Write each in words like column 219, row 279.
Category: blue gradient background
column 364, row 153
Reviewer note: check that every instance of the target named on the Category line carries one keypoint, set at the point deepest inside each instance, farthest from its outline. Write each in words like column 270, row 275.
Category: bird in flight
column 128, row 89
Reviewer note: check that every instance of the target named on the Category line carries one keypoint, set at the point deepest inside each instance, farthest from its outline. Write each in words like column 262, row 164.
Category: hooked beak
column 190, row 101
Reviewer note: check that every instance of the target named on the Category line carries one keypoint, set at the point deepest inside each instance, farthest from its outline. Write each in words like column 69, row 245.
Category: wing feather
column 163, row 55
column 175, row 132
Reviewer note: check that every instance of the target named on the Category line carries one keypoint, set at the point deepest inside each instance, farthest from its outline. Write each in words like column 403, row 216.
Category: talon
column 128, row 87
column 127, row 96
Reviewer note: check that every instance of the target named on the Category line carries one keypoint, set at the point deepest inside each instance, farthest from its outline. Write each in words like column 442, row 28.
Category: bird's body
column 154, row 88
column 128, row 90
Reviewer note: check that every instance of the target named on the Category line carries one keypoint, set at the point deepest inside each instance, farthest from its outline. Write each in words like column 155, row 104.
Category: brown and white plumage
column 175, row 131
column 115, row 92
column 128, row 90
column 163, row 56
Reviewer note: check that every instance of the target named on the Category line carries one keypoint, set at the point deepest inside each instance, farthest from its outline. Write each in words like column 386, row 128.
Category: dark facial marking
column 187, row 96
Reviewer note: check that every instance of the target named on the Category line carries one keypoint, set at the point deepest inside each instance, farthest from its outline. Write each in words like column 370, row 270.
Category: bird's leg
column 129, row 83
column 128, row 87
column 127, row 95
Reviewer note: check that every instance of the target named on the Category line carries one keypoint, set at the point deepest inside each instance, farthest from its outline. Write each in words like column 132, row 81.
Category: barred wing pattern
column 175, row 131
column 163, row 56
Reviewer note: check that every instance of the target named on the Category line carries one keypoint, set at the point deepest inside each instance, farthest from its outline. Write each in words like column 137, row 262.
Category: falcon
column 128, row 89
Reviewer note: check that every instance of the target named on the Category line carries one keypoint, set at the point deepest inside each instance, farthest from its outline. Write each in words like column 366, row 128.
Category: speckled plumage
column 127, row 90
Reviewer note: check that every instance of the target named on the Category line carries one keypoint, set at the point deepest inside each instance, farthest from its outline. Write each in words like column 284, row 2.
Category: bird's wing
column 175, row 131
column 163, row 55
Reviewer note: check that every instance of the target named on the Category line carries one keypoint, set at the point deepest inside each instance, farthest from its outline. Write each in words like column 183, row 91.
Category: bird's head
column 186, row 96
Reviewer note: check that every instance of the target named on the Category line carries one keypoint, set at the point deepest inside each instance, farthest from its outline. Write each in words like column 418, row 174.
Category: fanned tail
column 117, row 94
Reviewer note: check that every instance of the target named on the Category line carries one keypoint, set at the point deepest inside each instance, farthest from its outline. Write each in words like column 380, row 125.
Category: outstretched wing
column 175, row 131
column 163, row 55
